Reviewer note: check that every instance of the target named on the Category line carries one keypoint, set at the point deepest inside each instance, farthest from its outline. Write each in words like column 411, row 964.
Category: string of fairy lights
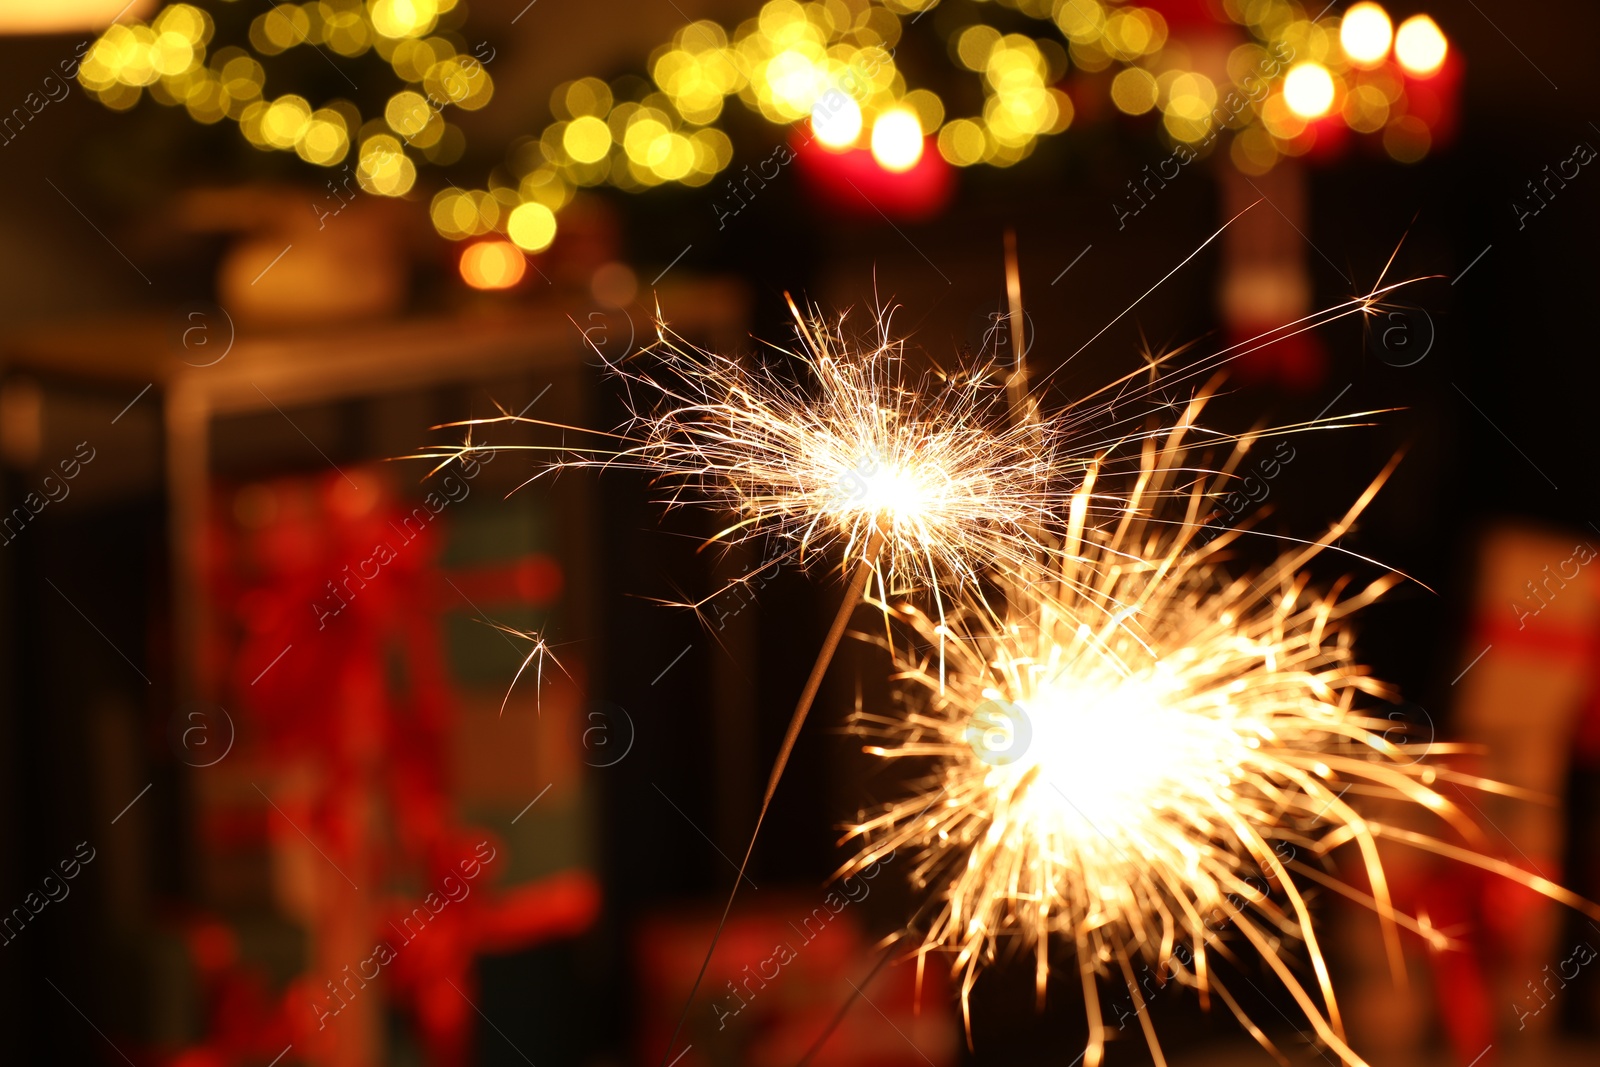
column 168, row 58
column 828, row 65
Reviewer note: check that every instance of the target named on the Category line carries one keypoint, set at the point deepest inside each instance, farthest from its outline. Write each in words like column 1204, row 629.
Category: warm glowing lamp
column 1308, row 90
column 1420, row 46
column 492, row 265
column 62, row 16
column 1365, row 34
column 897, row 140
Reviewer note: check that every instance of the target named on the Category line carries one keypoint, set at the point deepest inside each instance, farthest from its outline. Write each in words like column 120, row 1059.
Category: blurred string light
column 1349, row 71
column 827, row 69
column 168, row 58
column 1299, row 79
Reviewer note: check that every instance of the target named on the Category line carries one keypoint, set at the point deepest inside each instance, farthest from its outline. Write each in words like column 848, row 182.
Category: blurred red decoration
column 778, row 981
column 1297, row 363
column 333, row 594
column 1436, row 98
column 853, row 184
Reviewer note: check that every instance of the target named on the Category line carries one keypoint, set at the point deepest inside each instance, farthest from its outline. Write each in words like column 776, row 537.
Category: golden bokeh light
column 1309, row 90
column 285, row 119
column 586, row 96
column 1420, row 46
column 384, row 168
column 532, row 227
column 1254, row 151
column 1080, row 21
column 1020, row 106
column 188, row 22
column 717, row 148
column 587, row 139
column 545, row 185
column 1407, row 139
column 242, row 79
column 344, row 29
column 207, row 100
column 1366, row 109
column 279, row 29
column 408, row 113
column 897, row 139
column 1190, row 101
column 461, row 82
column 171, row 54
column 962, row 142
column 324, row 140
column 836, row 120
column 1135, row 31
column 674, row 157
column 411, row 59
column 1280, row 121
column 1134, row 91
column 453, row 214
column 1365, row 34
column 974, row 44
column 403, row 18
column 927, row 106
column 698, row 71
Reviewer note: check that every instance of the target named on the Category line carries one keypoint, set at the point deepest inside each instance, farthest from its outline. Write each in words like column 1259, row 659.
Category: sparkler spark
column 859, row 444
column 932, row 483
column 537, row 654
column 958, row 471
column 1138, row 753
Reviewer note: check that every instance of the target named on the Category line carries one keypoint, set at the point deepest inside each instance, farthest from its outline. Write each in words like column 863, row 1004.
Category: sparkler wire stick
column 1022, row 406
column 854, row 593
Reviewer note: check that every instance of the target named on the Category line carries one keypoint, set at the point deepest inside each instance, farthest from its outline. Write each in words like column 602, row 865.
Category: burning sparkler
column 854, row 444
column 923, row 481
column 851, row 458
column 1139, row 752
column 926, row 482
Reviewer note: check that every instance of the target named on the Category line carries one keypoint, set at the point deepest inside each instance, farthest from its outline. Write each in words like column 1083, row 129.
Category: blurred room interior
column 272, row 682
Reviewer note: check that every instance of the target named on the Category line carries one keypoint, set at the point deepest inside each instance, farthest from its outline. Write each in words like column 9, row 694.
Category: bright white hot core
column 1106, row 756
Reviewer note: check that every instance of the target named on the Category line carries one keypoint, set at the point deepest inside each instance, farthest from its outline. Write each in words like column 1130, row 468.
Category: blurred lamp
column 62, row 16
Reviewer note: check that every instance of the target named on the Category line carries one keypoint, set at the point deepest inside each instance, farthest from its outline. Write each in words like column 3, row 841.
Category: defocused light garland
column 829, row 65
column 168, row 58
